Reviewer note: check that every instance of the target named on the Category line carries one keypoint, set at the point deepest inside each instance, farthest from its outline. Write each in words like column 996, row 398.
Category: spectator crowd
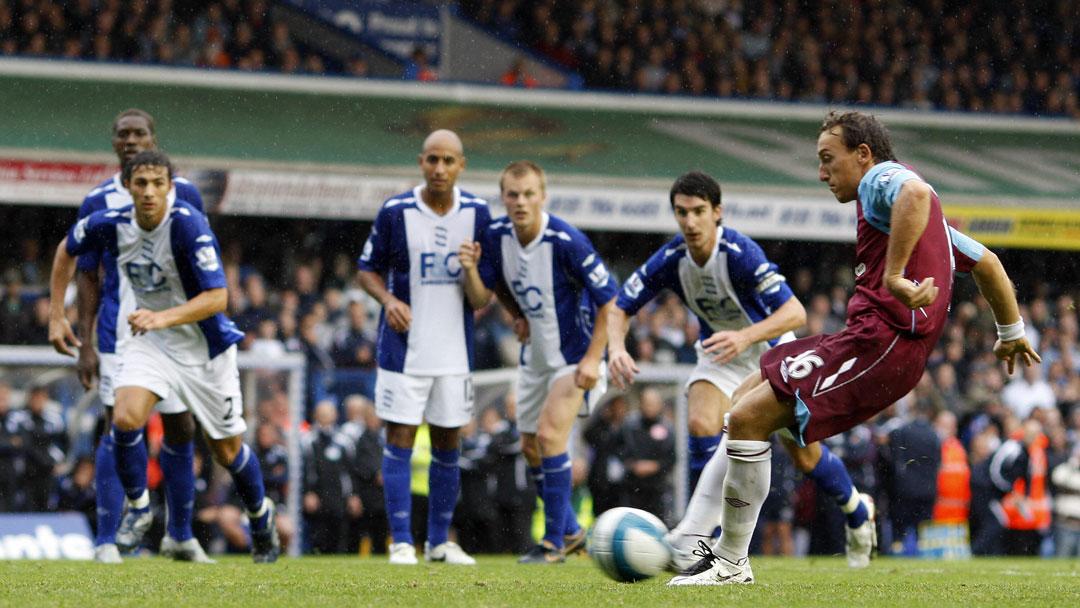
column 980, row 56
column 238, row 34
column 983, row 56
column 963, row 439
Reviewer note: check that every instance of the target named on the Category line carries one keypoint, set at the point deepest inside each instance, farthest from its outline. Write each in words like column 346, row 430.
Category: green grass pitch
column 498, row 581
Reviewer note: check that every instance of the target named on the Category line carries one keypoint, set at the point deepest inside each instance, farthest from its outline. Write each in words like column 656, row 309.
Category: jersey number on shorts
column 230, row 409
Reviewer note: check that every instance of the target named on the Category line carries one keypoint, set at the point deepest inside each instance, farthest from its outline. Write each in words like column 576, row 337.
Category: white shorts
column 108, row 364
column 532, row 391
column 445, row 401
column 211, row 392
column 727, row 377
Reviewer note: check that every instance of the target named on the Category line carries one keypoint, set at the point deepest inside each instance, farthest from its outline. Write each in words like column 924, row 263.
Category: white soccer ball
column 628, row 544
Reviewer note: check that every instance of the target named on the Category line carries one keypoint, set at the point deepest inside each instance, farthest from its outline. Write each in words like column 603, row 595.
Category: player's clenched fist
column 142, row 321
column 913, row 295
column 469, row 254
column 398, row 315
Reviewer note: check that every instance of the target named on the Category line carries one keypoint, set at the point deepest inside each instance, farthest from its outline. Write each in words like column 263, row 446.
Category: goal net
column 273, row 390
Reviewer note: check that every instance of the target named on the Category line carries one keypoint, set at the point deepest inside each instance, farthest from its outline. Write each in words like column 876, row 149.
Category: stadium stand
column 1023, row 59
column 235, row 34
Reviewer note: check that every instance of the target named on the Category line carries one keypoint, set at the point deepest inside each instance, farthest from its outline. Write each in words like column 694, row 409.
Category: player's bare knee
column 747, row 423
column 530, row 448
column 805, row 459
column 226, row 450
column 703, row 425
column 400, row 435
column 551, row 440
column 127, row 419
column 444, row 438
column 179, row 428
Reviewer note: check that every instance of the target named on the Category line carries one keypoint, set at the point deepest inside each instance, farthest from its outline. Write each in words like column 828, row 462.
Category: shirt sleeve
column 755, row 277
column 186, row 191
column 376, row 254
column 966, row 251
column 200, row 251
column 89, row 261
column 88, row 235
column 878, row 191
column 490, row 266
column 657, row 273
column 586, row 266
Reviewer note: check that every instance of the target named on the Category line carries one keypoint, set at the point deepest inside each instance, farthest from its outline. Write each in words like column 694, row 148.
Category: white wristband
column 1013, row 331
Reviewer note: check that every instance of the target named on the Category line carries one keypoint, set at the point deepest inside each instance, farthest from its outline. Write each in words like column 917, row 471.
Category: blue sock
column 537, row 475
column 397, row 479
column 444, row 483
column 179, row 474
column 571, row 525
column 701, row 450
column 556, row 497
column 108, row 491
column 247, row 478
column 831, row 475
column 130, row 451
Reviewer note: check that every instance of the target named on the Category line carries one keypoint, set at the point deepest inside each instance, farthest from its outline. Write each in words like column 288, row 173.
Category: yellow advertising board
column 1013, row 227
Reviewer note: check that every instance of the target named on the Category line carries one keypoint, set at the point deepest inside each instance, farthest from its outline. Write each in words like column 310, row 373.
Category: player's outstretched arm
column 995, row 286
column 398, row 313
column 476, row 292
column 620, row 362
column 723, row 346
column 910, row 214
column 205, row 305
column 63, row 269
column 588, row 369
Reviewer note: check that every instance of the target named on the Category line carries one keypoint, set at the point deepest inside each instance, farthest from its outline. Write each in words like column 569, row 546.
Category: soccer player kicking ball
column 107, row 297
column 744, row 306
column 819, row 386
column 561, row 287
column 181, row 342
column 410, row 265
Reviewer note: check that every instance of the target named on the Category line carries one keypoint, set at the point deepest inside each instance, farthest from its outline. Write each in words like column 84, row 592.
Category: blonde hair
column 520, row 168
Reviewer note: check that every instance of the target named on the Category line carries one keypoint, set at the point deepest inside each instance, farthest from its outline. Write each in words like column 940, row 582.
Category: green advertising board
column 291, row 127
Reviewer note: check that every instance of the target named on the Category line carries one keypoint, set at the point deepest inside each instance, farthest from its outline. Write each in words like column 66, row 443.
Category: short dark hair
column 859, row 128
column 147, row 158
column 696, row 183
column 136, row 112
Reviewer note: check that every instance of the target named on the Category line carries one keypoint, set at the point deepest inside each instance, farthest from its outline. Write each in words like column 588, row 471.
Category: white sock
column 745, row 489
column 703, row 513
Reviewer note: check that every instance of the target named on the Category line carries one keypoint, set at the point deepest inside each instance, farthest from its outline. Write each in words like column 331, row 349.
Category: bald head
column 444, row 139
column 441, row 160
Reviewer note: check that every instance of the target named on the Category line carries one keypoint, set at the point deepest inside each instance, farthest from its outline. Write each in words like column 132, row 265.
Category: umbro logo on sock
column 738, row 503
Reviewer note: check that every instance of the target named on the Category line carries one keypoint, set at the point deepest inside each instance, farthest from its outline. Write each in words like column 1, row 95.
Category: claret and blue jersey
column 939, row 252
column 165, row 267
column 737, row 287
column 557, row 280
column 416, row 251
column 117, row 300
